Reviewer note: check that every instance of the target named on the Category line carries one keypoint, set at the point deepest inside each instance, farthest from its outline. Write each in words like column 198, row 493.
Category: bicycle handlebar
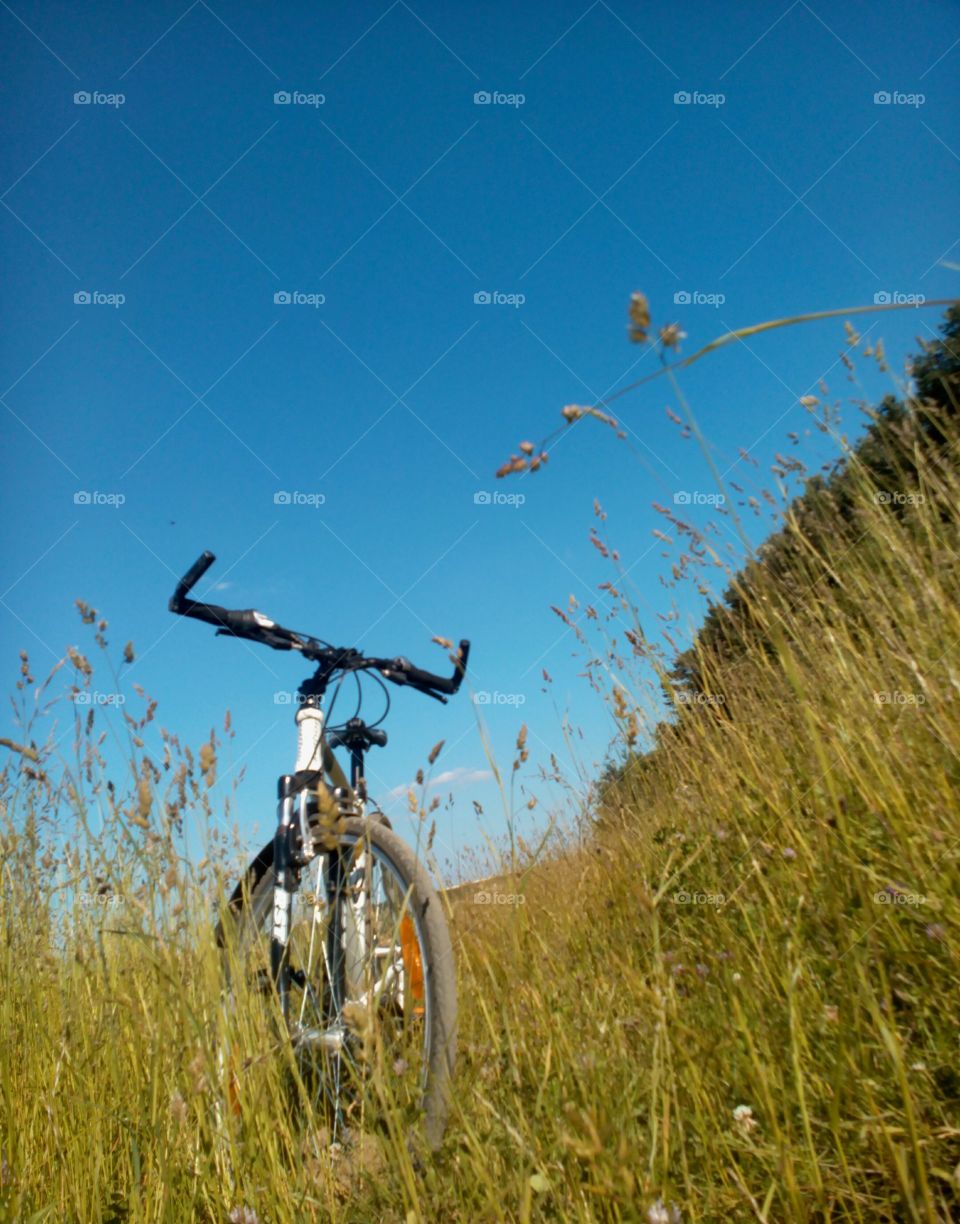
column 190, row 579
column 253, row 625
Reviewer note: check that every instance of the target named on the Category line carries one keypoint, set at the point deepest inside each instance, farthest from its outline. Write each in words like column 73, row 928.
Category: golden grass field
column 729, row 993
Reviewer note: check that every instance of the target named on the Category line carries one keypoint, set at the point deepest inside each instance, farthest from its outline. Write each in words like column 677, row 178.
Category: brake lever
column 403, row 681
column 264, row 636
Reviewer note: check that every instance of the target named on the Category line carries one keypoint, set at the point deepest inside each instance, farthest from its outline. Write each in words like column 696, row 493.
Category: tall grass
column 735, row 999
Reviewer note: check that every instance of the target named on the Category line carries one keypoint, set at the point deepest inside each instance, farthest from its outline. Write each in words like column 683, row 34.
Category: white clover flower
column 662, row 1213
column 744, row 1120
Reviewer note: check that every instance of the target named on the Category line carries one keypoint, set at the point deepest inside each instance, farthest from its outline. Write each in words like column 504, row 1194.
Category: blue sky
column 388, row 188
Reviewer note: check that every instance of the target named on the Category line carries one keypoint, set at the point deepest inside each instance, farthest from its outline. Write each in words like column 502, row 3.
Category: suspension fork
column 336, row 958
column 291, row 842
column 286, row 867
column 294, row 846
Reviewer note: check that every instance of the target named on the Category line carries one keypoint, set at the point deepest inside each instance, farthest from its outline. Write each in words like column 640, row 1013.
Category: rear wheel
column 371, row 1008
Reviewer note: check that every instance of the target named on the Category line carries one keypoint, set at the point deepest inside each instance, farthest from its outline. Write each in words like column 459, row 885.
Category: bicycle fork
column 292, row 843
column 286, row 878
column 293, row 847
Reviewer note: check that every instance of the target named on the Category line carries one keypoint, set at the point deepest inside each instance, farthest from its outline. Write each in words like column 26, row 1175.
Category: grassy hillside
column 735, row 999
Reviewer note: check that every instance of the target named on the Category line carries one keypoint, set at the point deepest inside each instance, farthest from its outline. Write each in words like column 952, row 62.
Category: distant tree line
column 830, row 510
column 830, row 506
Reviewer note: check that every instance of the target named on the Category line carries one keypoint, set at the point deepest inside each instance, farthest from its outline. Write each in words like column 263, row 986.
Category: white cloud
column 451, row 779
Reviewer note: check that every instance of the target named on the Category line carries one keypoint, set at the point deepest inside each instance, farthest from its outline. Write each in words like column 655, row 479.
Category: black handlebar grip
column 461, row 667
column 429, row 680
column 191, row 578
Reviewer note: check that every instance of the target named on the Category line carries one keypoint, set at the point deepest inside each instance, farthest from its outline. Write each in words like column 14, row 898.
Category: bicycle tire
column 254, row 901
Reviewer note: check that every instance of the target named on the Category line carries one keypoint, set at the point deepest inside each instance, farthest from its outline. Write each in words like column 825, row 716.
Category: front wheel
column 371, row 1005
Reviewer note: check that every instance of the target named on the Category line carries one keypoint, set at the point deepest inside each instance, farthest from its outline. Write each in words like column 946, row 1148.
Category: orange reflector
column 412, row 962
column 233, row 1094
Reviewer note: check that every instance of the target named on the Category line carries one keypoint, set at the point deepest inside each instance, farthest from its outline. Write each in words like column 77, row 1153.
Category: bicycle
column 336, row 919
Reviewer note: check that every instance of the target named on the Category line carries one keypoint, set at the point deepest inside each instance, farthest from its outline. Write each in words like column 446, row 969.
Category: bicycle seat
column 357, row 735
